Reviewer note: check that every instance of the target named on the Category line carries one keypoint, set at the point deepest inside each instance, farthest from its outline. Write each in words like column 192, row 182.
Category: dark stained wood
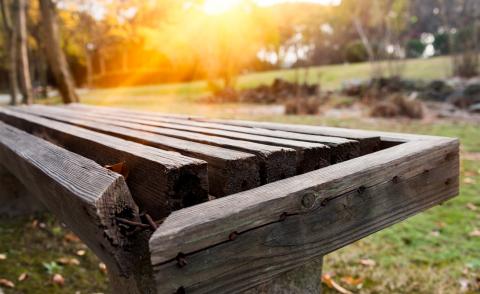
column 229, row 171
column 341, row 148
column 275, row 163
column 160, row 181
column 326, row 209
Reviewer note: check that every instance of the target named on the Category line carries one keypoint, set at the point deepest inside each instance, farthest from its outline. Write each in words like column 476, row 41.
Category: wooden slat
column 84, row 195
column 275, row 163
column 341, row 148
column 326, row 209
column 229, row 171
column 310, row 156
column 160, row 181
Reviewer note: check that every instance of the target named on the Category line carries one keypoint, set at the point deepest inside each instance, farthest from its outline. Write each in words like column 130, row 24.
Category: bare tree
column 21, row 45
column 55, row 56
column 10, row 37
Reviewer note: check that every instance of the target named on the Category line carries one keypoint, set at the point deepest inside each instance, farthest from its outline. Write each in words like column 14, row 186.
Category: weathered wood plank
column 310, row 156
column 229, row 171
column 265, row 204
column 160, row 181
column 326, row 209
column 84, row 195
column 275, row 163
column 341, row 148
column 369, row 142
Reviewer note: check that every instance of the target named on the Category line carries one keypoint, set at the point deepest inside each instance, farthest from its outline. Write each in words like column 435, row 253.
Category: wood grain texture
column 327, row 209
column 265, row 204
column 229, row 171
column 369, row 140
column 310, row 156
column 160, row 181
column 84, row 195
column 341, row 148
column 275, row 163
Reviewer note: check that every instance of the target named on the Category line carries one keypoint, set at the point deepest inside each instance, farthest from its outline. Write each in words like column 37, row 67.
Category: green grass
column 329, row 77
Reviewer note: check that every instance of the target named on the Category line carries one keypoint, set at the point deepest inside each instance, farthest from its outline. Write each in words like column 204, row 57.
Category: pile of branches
column 279, row 91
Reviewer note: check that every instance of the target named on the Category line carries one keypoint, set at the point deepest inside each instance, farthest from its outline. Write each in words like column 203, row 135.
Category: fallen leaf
column 468, row 181
column 435, row 233
column 327, row 280
column 120, row 168
column 34, row 224
column 472, row 206
column 68, row 261
column 3, row 256
column 102, row 267
column 475, row 233
column 58, row 279
column 22, row 277
column 81, row 252
column 368, row 262
column 7, row 283
column 71, row 237
column 352, row 281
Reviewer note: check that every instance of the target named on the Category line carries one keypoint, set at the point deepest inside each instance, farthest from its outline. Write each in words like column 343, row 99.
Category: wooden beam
column 160, row 181
column 282, row 225
column 341, row 148
column 310, row 156
column 229, row 171
column 275, row 163
column 84, row 195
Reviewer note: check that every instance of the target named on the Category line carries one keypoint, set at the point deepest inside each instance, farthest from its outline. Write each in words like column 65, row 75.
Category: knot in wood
column 308, row 201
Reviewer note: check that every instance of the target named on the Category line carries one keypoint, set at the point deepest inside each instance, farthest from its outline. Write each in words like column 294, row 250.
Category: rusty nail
column 233, row 235
column 181, row 260
column 324, row 202
column 395, row 179
column 131, row 223
column 447, row 182
column 150, row 221
column 283, row 216
column 361, row 189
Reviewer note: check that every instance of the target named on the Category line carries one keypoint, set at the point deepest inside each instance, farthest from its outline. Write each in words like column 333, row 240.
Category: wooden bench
column 179, row 204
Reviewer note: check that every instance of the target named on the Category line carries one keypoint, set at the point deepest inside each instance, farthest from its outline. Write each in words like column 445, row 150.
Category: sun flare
column 219, row 6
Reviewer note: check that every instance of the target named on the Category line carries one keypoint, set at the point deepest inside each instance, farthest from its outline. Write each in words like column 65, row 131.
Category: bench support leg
column 306, row 279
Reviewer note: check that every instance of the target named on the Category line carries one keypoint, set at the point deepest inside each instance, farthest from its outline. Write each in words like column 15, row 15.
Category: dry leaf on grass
column 468, row 181
column 368, row 262
column 22, row 277
column 68, row 261
column 81, row 252
column 327, row 280
column 7, row 283
column 472, row 206
column 475, row 233
column 71, row 237
column 3, row 256
column 352, row 281
column 58, row 279
column 102, row 267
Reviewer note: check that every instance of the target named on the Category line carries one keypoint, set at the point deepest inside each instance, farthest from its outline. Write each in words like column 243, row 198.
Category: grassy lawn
column 433, row 252
column 330, row 77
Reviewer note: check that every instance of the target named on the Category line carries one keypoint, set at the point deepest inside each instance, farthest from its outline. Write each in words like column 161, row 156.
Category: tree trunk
column 10, row 36
column 56, row 58
column 21, row 44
